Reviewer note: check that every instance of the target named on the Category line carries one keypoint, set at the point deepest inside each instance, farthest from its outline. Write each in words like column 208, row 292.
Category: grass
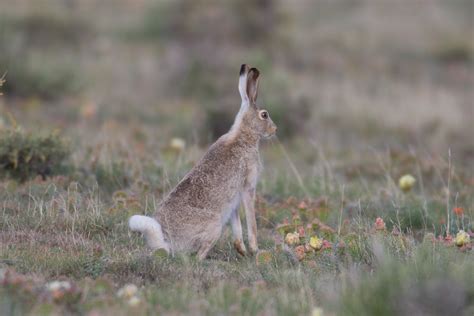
column 57, row 229
column 362, row 95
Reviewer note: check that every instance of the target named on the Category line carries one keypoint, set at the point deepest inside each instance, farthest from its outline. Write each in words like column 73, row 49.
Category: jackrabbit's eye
column 263, row 114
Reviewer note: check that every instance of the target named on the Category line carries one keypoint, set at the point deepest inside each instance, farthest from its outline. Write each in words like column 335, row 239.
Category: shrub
column 34, row 76
column 454, row 51
column 25, row 155
column 36, row 53
column 185, row 20
column 47, row 28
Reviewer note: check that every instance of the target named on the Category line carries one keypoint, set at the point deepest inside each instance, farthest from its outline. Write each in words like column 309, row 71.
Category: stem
column 448, row 193
column 340, row 213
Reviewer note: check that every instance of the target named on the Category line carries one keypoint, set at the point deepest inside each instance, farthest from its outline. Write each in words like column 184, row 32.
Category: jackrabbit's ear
column 244, row 70
column 252, row 84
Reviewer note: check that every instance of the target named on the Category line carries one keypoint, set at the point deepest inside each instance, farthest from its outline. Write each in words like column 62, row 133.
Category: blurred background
column 345, row 81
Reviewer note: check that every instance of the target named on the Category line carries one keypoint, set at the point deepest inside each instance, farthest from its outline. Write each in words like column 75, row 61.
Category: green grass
column 64, row 230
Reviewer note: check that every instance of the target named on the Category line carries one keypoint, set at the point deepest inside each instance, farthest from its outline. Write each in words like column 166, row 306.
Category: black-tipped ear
column 252, row 84
column 244, row 69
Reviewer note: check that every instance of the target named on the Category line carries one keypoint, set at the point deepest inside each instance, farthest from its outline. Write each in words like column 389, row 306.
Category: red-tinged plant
column 459, row 211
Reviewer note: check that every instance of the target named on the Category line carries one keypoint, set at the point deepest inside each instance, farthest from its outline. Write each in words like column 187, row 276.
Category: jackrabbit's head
column 252, row 117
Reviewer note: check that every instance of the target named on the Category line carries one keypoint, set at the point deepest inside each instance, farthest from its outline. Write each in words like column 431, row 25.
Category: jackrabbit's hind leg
column 248, row 199
column 204, row 250
column 237, row 232
column 213, row 232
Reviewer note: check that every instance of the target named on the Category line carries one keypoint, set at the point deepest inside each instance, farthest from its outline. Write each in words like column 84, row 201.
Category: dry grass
column 364, row 93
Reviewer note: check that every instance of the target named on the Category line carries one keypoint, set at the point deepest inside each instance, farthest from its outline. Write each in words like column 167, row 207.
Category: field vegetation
column 366, row 202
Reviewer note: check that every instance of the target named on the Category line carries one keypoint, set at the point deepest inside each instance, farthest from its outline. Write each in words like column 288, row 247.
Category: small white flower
column 58, row 285
column 127, row 291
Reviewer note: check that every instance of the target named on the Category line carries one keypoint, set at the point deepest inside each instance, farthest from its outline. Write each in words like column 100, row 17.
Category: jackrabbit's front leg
column 237, row 232
column 248, row 199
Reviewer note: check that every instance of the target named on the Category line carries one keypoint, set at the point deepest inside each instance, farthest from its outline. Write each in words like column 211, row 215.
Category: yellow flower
column 177, row 144
column 406, row 182
column 292, row 238
column 462, row 238
column 133, row 301
column 317, row 311
column 315, row 242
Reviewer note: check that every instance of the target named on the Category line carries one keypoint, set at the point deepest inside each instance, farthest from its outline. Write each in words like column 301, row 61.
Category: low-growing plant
column 25, row 155
column 35, row 52
column 32, row 76
column 47, row 26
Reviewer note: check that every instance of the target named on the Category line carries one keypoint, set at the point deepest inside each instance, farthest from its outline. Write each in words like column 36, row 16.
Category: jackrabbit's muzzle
column 271, row 130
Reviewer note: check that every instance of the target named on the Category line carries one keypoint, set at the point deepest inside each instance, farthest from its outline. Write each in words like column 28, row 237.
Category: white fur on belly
column 227, row 212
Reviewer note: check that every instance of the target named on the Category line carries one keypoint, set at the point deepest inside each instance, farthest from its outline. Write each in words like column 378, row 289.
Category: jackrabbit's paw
column 240, row 247
column 253, row 249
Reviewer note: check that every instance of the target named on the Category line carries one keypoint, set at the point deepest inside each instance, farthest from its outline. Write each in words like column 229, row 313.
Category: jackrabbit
column 192, row 217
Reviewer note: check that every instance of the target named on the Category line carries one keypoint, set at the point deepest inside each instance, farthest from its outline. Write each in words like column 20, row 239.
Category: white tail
column 150, row 229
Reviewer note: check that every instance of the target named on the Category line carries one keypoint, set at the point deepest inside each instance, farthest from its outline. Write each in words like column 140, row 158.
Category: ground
column 105, row 107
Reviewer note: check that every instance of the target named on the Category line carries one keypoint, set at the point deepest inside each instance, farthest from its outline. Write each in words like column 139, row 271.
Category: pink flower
column 302, row 205
column 301, row 231
column 300, row 252
column 448, row 240
column 379, row 224
column 326, row 244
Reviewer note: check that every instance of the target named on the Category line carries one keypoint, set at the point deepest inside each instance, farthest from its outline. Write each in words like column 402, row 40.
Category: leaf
column 284, row 229
column 264, row 257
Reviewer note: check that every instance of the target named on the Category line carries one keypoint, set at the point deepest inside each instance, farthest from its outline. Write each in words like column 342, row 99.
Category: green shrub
column 46, row 28
column 25, row 155
column 248, row 21
column 454, row 51
column 34, row 76
column 36, row 54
